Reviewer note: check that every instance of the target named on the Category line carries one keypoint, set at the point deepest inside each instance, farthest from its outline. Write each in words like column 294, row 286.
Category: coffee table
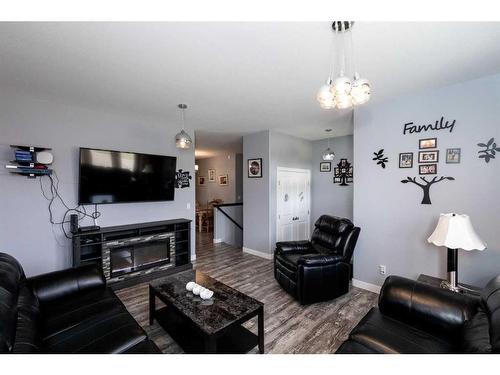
column 213, row 326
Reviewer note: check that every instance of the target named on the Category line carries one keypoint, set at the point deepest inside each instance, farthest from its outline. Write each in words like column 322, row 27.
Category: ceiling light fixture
column 328, row 155
column 341, row 93
column 182, row 139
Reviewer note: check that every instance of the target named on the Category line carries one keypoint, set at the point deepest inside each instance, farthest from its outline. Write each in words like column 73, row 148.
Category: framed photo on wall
column 255, row 168
column 427, row 169
column 427, row 143
column 453, row 155
column 211, row 175
column 325, row 166
column 406, row 160
column 223, row 179
column 428, row 156
column 201, row 180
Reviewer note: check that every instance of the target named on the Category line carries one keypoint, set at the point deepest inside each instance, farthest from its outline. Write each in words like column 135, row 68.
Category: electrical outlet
column 188, row 206
column 381, row 269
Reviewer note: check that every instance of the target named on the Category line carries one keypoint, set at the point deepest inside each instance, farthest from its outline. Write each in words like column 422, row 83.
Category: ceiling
column 211, row 143
column 237, row 78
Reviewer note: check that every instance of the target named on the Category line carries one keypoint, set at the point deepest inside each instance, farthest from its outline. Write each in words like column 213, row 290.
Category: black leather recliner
column 317, row 270
column 413, row 317
column 68, row 311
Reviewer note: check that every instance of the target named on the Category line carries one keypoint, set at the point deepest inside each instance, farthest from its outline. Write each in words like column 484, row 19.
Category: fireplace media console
column 129, row 254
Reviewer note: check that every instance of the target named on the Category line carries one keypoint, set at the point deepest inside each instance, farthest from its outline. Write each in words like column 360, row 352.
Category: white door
column 293, row 208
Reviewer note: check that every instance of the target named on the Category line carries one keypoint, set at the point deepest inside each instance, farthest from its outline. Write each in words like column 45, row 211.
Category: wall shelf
column 29, row 168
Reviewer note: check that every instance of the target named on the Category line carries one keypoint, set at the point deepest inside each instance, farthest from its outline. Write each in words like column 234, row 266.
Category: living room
column 188, row 185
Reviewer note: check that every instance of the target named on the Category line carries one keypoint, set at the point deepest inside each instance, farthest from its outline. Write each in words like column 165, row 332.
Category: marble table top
column 226, row 306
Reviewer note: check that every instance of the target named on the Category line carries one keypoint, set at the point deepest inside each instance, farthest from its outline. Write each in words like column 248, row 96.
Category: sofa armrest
column 435, row 310
column 312, row 260
column 55, row 285
column 293, row 246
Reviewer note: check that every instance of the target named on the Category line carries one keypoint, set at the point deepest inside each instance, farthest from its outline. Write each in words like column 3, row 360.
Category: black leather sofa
column 414, row 317
column 317, row 270
column 69, row 311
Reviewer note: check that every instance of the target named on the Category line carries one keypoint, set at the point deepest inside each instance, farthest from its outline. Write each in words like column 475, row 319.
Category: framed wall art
column 255, row 168
column 406, row 160
column 453, row 155
column 427, row 143
column 325, row 166
column 428, row 156
column 201, row 180
column 427, row 169
column 223, row 180
column 211, row 175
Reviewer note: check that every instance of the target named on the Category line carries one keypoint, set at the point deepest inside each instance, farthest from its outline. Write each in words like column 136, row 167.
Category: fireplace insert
column 133, row 257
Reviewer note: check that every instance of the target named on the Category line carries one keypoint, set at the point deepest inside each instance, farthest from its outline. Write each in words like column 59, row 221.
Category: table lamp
column 455, row 231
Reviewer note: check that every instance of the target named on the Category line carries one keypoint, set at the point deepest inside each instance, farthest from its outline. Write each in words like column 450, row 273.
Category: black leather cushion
column 434, row 310
column 319, row 260
column 300, row 246
column 330, row 232
column 56, row 285
column 476, row 335
column 110, row 333
column 383, row 334
column 82, row 308
column 491, row 300
column 11, row 276
column 28, row 338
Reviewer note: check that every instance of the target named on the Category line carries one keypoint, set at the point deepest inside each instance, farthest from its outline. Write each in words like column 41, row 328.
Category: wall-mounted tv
column 124, row 177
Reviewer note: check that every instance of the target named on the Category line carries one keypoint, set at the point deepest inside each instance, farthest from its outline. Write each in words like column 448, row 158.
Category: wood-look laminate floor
column 289, row 327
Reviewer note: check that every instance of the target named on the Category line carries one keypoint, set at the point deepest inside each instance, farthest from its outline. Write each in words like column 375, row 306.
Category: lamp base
column 447, row 285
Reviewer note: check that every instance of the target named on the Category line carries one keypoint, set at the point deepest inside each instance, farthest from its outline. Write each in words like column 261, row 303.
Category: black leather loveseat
column 318, row 270
column 69, row 311
column 413, row 317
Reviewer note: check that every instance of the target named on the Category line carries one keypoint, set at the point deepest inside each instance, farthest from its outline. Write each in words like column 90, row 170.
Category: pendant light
column 182, row 139
column 341, row 92
column 328, row 155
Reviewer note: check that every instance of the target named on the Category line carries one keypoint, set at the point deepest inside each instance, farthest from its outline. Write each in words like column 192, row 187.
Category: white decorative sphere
column 190, row 285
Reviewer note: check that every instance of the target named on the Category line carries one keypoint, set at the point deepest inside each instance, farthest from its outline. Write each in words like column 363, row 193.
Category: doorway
column 293, row 204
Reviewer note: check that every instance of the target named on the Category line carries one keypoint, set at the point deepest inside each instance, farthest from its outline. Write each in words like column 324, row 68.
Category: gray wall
column 394, row 225
column 329, row 198
column 223, row 164
column 225, row 230
column 239, row 177
column 25, row 231
column 288, row 152
column 256, row 195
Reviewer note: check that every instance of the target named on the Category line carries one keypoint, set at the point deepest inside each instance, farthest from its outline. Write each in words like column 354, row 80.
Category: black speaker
column 73, row 219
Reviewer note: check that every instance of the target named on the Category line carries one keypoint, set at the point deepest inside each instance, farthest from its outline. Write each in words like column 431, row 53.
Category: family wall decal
column 410, row 127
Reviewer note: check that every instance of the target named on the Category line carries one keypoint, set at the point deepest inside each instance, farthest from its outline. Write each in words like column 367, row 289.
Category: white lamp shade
column 456, row 232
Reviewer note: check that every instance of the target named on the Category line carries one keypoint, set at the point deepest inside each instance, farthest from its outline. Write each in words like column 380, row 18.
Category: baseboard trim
column 217, row 240
column 257, row 253
column 367, row 286
column 193, row 256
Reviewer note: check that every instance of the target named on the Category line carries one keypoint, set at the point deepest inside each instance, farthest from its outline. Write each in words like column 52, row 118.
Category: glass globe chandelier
column 328, row 155
column 182, row 139
column 341, row 92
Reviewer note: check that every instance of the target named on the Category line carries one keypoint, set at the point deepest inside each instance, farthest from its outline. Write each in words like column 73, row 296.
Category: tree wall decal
column 426, row 186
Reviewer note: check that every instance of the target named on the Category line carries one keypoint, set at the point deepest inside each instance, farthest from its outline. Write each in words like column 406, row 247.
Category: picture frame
column 427, row 169
column 406, row 160
column 201, row 180
column 428, row 156
column 211, row 175
column 223, row 180
column 453, row 155
column 427, row 143
column 325, row 166
column 254, row 168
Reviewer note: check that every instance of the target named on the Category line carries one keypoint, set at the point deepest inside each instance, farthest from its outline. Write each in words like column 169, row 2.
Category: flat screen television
column 124, row 177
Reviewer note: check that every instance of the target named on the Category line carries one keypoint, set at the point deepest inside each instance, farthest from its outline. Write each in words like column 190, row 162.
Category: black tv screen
column 124, row 177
